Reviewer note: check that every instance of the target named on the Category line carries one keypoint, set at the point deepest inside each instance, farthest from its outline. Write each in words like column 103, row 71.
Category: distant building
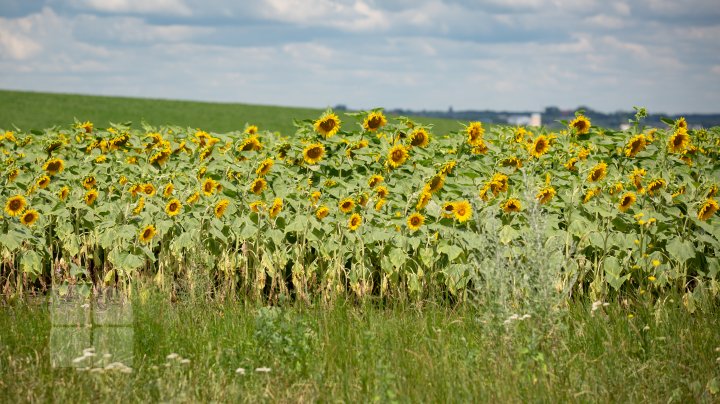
column 534, row 119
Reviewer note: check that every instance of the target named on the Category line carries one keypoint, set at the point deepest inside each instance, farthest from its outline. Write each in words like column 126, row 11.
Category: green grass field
column 29, row 110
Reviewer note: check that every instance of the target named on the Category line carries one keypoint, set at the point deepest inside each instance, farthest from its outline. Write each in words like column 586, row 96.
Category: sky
column 415, row 54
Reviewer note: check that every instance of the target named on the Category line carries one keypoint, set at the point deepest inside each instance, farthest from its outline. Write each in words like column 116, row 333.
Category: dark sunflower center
column 397, row 155
column 374, row 122
column 415, row 221
column 15, row 204
column 314, row 153
column 147, row 233
column 327, row 125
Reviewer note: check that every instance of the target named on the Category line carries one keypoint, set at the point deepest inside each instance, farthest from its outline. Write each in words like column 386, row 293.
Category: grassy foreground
column 362, row 353
column 30, row 110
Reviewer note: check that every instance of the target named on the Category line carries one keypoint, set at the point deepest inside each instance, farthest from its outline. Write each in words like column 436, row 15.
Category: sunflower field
column 361, row 206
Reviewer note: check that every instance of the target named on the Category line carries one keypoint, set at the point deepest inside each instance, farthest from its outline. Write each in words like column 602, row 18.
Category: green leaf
column 31, row 263
column 451, row 251
column 397, row 257
column 681, row 250
column 508, row 234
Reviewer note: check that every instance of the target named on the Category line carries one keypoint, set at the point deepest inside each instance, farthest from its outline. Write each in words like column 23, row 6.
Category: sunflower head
column 540, row 146
column 147, row 233
column 139, row 206
column 63, row 193
column 626, row 201
column 168, row 190
column 475, row 132
column 327, row 125
column 313, row 153
column 512, row 205
column 221, row 207
column 635, row 145
column 89, row 182
column 257, row 206
column 346, row 205
column 580, row 125
column 397, row 155
column 374, row 121
column 173, row 207
column 90, row 197
column 435, row 183
column 29, row 216
column 252, row 143
column 463, row 211
column 43, row 182
column 251, row 130
column 707, row 209
column 148, row 189
column 15, row 205
column 679, row 141
column 265, row 167
column 354, row 222
column 545, row 195
column 598, row 172
column 209, row 186
column 258, row 186
column 322, row 212
column 448, row 209
column 591, row 193
column 276, row 207
column 374, row 180
column 193, row 198
column 54, row 166
column 382, row 191
column 498, row 183
column 655, row 185
column 419, row 138
column 570, row 164
column 415, row 221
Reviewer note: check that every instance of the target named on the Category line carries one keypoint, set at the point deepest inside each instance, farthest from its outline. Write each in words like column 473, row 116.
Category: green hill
column 31, row 110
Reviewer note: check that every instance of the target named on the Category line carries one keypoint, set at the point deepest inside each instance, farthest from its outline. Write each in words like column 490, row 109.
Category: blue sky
column 419, row 54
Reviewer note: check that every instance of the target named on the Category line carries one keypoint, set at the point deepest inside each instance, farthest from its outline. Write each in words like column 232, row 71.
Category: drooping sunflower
column 498, row 183
column 448, row 167
column 139, row 206
column 679, row 141
column 257, row 206
column 346, row 205
column 463, row 211
column 209, row 186
column 511, row 161
column 435, row 184
column 63, row 193
column 276, row 207
column 475, row 132
column 707, row 209
column 354, row 222
column 54, row 166
column 173, row 208
column 635, row 145
column 545, row 195
column 598, row 172
column 512, row 205
column 655, row 185
column 13, row 174
column 147, row 234
column 397, row 155
column 43, row 182
column 481, row 148
column 591, row 193
column 313, row 153
column 258, row 186
column 636, row 178
column 168, row 190
column 90, row 197
column 448, row 209
column 322, row 212
column 580, row 125
column 419, row 138
column 540, row 146
column 374, row 180
column 382, row 191
column 251, row 130
column 315, row 197
column 626, row 201
column 15, row 205
column 265, row 167
column 380, row 203
column 327, row 125
column 423, row 200
column 374, row 121
column 712, row 191
column 193, row 198
column 89, row 182
column 616, row 188
column 221, row 207
column 363, row 199
column 29, row 217
column 252, row 143
column 570, row 164
column 415, row 221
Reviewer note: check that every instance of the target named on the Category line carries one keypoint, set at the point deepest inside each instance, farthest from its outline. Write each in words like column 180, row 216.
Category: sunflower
column 591, row 193
column 168, row 190
column 580, row 125
column 29, row 217
column 419, row 138
column 511, row 161
column 679, row 141
column 374, row 180
column 258, row 186
column 481, row 148
column 193, row 198
column 545, row 195
column 363, row 199
column 423, row 200
column 90, row 197
column 539, row 147
column 475, row 132
column 483, row 194
column 89, row 182
column 382, row 191
column 415, row 221
column 221, row 207
column 635, row 145
column 160, row 157
column 380, row 203
column 276, row 207
column 448, row 167
column 570, row 164
column 374, row 121
column 327, row 125
column 13, row 174
column 313, row 153
column 315, row 197
column 209, row 186
column 148, row 189
column 322, row 212
column 257, row 206
column 264, row 167
column 346, row 205
column 173, row 207
column 147, row 234
column 627, row 201
column 139, row 206
column 707, row 209
column 43, row 182
column 637, row 176
column 250, row 144
column 655, row 185
column 54, row 166
column 681, row 123
column 354, row 222
column 463, row 211
column 712, row 191
column 435, row 183
column 598, row 172
column 251, row 130
column 63, row 193
column 615, row 188
column 498, row 183
column 512, row 205
column 448, row 209
column 398, row 154
column 87, row 126
column 15, row 205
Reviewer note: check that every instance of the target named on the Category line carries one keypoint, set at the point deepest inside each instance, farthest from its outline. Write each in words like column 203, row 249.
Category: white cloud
column 162, row 7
